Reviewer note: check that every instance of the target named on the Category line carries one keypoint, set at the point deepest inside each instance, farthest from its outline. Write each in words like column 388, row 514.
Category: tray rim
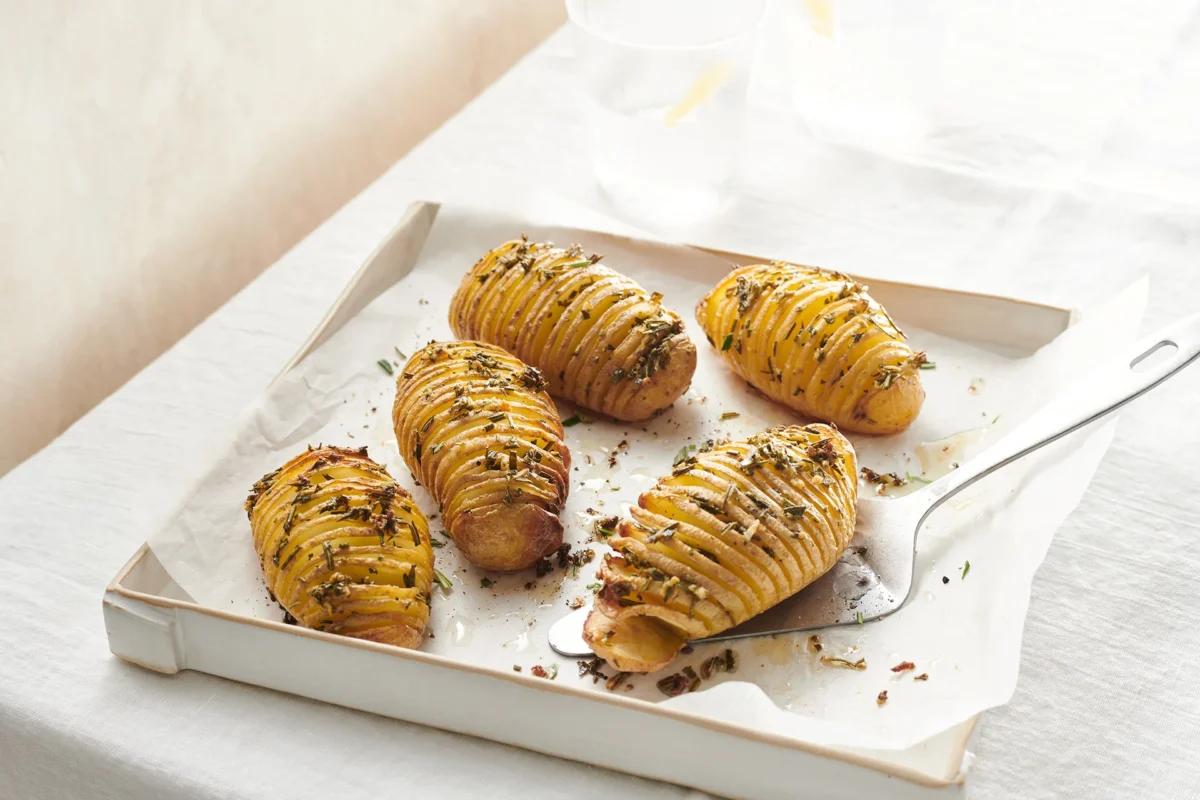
column 903, row 772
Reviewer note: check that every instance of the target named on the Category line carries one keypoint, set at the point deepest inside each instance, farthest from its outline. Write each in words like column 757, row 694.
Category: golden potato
column 343, row 548
column 475, row 426
column 728, row 534
column 815, row 340
column 602, row 341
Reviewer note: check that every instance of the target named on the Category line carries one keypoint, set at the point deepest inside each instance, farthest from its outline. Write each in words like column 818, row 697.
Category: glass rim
column 574, row 14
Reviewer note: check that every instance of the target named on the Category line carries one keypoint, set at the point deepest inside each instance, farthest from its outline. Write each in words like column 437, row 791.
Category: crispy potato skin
column 601, row 340
column 344, row 548
column 476, row 427
column 730, row 533
column 815, row 341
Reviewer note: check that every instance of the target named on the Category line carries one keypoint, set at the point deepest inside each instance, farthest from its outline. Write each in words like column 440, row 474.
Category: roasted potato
column 730, row 533
column 602, row 341
column 475, row 426
column 815, row 340
column 343, row 548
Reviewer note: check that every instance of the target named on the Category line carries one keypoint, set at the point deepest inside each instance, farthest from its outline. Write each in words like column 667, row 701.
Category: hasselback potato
column 477, row 428
column 815, row 340
column 602, row 341
column 343, row 548
column 731, row 532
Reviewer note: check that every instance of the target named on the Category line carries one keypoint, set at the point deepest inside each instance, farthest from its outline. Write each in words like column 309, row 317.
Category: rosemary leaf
column 684, row 454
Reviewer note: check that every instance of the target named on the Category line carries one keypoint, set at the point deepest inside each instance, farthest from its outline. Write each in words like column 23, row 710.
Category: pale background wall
column 155, row 156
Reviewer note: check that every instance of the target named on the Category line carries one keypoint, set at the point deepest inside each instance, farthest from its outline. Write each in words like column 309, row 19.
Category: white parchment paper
column 963, row 630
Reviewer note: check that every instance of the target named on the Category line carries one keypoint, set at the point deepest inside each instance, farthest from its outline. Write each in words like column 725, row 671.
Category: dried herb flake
column 442, row 580
column 844, row 663
column 684, row 454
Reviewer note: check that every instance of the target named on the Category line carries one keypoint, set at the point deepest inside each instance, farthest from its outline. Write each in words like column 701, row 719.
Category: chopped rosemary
column 928, row 365
column 728, row 341
column 882, row 479
column 724, row 662
column 966, row 569
column 486, row 583
column 844, row 663
column 729, row 415
column 442, row 580
column 682, row 682
column 386, row 366
column 746, row 291
column 615, row 682
column 605, row 527
column 684, row 454
column 887, row 375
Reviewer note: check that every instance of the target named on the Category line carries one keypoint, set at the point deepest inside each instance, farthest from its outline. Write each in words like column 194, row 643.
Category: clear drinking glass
column 665, row 83
column 864, row 72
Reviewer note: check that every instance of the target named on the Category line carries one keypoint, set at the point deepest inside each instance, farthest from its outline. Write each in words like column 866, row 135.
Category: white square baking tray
column 152, row 622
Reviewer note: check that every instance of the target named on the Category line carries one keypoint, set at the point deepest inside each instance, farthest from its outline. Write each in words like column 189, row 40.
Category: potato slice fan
column 874, row 577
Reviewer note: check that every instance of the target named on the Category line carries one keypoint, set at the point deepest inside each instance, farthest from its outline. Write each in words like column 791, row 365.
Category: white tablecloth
column 1074, row 167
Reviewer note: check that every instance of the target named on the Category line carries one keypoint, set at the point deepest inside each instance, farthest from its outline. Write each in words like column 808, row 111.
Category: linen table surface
column 1064, row 161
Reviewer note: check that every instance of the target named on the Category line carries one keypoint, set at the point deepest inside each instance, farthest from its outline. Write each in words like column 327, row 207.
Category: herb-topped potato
column 475, row 426
column 730, row 533
column 343, row 548
column 602, row 341
column 815, row 340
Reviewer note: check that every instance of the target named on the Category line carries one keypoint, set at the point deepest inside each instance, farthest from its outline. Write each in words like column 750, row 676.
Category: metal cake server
column 874, row 577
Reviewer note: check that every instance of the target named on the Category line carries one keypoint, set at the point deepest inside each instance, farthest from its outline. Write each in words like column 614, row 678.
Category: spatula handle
column 1086, row 402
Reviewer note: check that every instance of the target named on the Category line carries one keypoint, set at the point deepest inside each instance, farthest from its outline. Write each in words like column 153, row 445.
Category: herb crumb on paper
column 844, row 663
